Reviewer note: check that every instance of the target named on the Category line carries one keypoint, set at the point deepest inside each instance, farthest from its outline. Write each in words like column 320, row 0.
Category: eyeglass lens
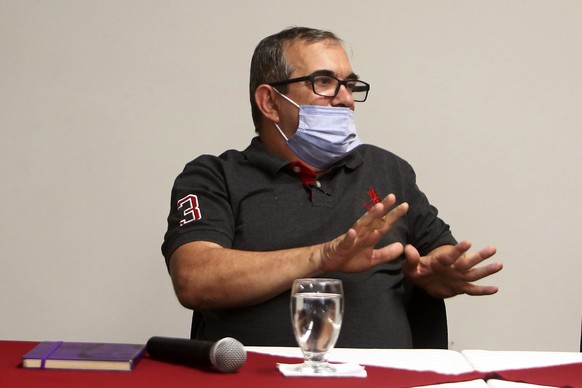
column 329, row 87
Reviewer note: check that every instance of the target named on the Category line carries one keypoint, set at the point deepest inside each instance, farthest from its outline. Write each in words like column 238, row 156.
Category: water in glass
column 316, row 314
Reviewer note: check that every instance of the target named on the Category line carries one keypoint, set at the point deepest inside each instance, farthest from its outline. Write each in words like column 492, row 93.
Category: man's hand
column 354, row 251
column 450, row 270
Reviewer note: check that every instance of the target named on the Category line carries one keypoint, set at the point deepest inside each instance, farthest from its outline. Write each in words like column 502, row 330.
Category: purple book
column 83, row 355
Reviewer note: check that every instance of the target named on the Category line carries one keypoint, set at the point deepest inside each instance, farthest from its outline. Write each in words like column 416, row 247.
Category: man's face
column 327, row 57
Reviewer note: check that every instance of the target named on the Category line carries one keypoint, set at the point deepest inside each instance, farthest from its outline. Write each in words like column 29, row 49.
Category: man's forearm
column 208, row 276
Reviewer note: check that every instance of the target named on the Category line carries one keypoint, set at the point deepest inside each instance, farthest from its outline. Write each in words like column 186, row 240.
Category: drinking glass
column 317, row 307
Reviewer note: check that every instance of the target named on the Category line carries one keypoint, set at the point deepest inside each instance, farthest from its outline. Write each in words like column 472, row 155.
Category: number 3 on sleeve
column 191, row 211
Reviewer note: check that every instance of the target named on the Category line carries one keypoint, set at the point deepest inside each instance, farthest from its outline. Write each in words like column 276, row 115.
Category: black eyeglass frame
column 312, row 77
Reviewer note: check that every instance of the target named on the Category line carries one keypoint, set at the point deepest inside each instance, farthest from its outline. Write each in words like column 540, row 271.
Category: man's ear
column 265, row 100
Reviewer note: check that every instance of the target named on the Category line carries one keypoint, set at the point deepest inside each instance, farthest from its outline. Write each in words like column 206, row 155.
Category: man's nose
column 343, row 98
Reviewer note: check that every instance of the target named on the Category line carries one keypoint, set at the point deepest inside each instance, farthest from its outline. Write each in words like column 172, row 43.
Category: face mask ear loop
column 287, row 98
column 292, row 102
column 281, row 132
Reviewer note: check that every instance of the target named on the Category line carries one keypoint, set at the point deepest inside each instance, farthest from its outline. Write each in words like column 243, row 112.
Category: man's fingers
column 345, row 242
column 376, row 212
column 453, row 255
column 389, row 201
column 386, row 223
column 388, row 253
column 480, row 290
column 482, row 272
column 379, row 220
column 468, row 261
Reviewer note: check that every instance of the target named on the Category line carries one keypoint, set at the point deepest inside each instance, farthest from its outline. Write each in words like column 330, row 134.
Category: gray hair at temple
column 269, row 63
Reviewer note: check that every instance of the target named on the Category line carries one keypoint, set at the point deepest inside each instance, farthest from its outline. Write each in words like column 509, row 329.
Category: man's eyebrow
column 333, row 74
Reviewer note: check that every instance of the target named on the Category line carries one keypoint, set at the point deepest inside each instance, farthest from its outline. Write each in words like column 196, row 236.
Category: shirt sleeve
column 427, row 230
column 200, row 209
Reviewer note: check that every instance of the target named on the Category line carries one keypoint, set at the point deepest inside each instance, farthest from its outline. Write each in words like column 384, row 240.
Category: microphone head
column 228, row 355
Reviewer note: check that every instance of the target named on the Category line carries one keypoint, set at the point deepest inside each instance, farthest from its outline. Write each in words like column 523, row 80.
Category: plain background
column 103, row 102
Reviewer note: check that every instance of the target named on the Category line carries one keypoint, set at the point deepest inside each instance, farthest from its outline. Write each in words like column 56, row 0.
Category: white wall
column 103, row 102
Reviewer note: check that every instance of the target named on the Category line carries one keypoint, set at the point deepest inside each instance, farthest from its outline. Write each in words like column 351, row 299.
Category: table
column 259, row 370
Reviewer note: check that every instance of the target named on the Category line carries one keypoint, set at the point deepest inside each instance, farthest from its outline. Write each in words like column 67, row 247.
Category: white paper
column 342, row 370
column 493, row 361
column 435, row 360
column 460, row 384
column 493, row 383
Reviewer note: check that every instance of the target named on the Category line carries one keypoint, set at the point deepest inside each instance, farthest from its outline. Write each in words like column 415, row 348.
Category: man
column 305, row 200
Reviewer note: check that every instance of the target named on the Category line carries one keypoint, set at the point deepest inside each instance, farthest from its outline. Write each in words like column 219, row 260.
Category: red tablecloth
column 259, row 370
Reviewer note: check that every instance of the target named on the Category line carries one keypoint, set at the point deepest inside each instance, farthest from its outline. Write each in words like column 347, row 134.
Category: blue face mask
column 325, row 134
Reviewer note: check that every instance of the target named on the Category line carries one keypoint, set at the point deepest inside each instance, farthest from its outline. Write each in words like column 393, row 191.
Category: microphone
column 227, row 355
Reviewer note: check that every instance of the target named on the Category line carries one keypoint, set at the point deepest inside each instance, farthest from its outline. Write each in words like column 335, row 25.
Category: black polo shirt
column 255, row 201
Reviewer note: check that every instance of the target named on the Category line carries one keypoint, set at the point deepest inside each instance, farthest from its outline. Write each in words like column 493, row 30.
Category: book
column 83, row 355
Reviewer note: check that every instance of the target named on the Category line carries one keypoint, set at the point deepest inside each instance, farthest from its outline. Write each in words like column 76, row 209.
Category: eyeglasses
column 328, row 86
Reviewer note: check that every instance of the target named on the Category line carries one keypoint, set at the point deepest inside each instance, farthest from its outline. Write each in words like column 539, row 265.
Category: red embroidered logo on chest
column 374, row 199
